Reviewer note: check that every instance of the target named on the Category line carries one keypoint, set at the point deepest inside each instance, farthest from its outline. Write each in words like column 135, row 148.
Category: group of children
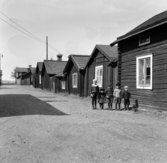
column 109, row 96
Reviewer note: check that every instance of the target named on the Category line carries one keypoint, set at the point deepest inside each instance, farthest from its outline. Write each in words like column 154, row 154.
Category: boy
column 94, row 93
column 117, row 95
column 126, row 96
column 109, row 96
column 102, row 98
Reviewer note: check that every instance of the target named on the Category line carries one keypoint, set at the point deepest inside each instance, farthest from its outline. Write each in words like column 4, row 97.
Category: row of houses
column 75, row 75
column 137, row 59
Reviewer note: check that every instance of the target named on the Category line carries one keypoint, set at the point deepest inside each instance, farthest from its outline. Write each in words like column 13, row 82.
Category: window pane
column 147, row 60
column 141, row 72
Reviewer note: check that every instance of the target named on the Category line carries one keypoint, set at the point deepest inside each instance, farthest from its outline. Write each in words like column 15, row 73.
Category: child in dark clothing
column 109, row 96
column 94, row 93
column 126, row 96
column 102, row 98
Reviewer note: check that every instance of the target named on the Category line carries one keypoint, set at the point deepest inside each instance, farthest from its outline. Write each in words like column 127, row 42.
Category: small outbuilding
column 142, row 62
column 28, row 78
column 102, row 65
column 49, row 70
column 74, row 72
column 19, row 72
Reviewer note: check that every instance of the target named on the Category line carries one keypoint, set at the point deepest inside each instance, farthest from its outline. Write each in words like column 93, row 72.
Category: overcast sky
column 72, row 27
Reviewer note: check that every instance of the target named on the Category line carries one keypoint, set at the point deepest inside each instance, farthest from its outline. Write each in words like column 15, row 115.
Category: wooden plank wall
column 97, row 60
column 46, row 81
column 157, row 97
column 71, row 89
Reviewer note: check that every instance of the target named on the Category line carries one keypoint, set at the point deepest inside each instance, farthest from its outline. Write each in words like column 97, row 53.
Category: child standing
column 94, row 93
column 117, row 95
column 126, row 96
column 109, row 96
column 102, row 98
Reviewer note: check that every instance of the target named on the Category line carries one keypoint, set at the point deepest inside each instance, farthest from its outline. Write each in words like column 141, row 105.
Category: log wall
column 128, row 51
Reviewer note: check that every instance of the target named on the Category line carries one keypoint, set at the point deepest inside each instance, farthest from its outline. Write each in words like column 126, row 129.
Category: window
column 144, row 39
column 39, row 79
column 144, row 72
column 63, row 84
column 74, row 80
column 99, row 75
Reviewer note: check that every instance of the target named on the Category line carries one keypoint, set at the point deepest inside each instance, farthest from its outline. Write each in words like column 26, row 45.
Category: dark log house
column 143, row 61
column 49, row 70
column 75, row 73
column 98, row 67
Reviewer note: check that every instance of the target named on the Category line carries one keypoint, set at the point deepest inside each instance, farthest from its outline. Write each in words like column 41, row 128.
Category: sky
column 72, row 27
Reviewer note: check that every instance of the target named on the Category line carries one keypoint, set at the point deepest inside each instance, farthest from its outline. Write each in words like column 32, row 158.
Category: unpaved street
column 37, row 126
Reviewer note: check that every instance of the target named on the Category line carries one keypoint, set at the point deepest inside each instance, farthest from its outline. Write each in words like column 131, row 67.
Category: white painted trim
column 39, row 79
column 63, row 84
column 151, row 71
column 96, row 68
column 74, row 86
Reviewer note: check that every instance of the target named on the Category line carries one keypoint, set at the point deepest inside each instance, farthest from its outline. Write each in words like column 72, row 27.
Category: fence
column 8, row 82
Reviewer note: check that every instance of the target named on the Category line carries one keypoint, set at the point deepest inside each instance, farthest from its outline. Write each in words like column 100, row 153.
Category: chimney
column 59, row 57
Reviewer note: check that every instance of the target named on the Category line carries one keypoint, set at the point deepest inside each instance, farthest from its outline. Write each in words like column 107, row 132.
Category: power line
column 18, row 25
column 29, row 33
column 20, row 30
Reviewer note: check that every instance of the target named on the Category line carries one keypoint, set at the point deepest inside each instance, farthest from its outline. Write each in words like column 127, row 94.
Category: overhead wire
column 28, row 33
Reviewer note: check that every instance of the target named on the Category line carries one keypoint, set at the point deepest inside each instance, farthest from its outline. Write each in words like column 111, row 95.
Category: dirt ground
column 37, row 126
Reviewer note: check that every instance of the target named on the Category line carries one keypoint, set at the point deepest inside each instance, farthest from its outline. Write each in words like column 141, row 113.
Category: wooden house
column 102, row 65
column 60, row 83
column 75, row 73
column 49, row 70
column 19, row 72
column 28, row 78
column 143, row 61
column 38, row 72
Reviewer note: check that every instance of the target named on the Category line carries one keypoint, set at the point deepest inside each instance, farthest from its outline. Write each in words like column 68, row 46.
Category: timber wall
column 128, row 50
column 97, row 60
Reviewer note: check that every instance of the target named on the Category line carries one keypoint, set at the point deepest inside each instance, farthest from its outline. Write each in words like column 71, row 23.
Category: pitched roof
column 39, row 65
column 33, row 70
column 19, row 69
column 153, row 22
column 110, row 52
column 54, row 67
column 79, row 60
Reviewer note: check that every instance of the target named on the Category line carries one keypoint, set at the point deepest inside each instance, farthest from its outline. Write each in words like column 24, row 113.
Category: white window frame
column 96, row 77
column 39, row 79
column 63, row 84
column 151, row 71
column 73, row 80
column 144, row 43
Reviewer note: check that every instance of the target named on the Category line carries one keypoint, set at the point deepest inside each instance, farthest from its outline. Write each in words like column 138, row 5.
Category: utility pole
column 46, row 47
column 1, row 55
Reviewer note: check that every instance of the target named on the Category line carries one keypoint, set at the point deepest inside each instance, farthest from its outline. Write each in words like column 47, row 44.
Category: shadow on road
column 17, row 105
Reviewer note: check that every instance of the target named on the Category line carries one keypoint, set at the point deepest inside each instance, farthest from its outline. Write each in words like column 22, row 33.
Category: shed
column 19, row 72
column 143, row 61
column 102, row 65
column 49, row 70
column 60, row 83
column 27, row 78
column 38, row 72
column 75, row 74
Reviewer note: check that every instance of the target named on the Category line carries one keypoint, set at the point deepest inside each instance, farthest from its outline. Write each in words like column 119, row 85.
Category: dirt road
column 37, row 126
